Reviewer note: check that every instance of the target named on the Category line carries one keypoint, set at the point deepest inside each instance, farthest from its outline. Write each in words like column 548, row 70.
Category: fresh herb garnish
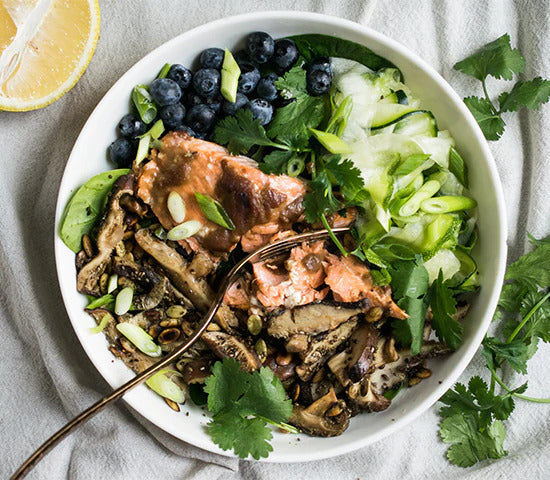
column 499, row 60
column 443, row 305
column 243, row 404
column 473, row 417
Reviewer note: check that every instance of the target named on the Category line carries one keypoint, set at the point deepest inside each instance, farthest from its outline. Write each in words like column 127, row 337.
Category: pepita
column 87, row 245
column 261, row 347
column 176, row 311
column 254, row 324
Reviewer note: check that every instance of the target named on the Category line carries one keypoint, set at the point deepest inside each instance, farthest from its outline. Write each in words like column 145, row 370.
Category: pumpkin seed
column 176, row 311
column 87, row 245
column 120, row 249
column 254, row 324
column 261, row 347
column 103, row 282
column 170, row 335
column 176, row 207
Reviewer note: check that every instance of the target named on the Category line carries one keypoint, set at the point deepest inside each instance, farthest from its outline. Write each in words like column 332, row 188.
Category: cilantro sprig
column 473, row 417
column 499, row 60
column 243, row 404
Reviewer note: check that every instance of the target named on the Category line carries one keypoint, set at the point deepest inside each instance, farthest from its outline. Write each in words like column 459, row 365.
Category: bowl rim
column 501, row 248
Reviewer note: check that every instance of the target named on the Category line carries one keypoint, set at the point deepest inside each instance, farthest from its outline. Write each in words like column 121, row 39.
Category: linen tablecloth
column 46, row 377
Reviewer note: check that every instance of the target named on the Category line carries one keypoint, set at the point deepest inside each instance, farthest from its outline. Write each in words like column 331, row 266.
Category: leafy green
column 243, row 403
column 320, row 200
column 443, row 304
column 313, row 45
column 411, row 163
column 473, row 417
column 276, row 161
column 214, row 211
column 410, row 282
column 86, row 207
column 241, row 132
column 499, row 60
column 346, row 175
column 458, row 167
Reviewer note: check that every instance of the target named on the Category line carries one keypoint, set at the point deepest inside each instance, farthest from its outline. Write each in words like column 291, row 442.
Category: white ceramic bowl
column 89, row 158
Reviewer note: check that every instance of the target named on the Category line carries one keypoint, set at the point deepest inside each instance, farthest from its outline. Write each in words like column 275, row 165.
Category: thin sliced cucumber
column 386, row 114
column 421, row 123
column 467, row 274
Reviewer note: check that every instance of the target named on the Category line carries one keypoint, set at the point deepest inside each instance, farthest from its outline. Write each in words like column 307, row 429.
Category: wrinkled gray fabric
column 45, row 376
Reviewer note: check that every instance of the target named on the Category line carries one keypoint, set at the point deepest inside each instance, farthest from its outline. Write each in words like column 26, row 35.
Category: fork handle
column 112, row 397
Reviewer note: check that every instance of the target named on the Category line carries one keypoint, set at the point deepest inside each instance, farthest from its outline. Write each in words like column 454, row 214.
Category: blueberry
column 250, row 76
column 260, row 46
column 186, row 129
column 212, row 58
column 207, row 82
column 318, row 82
column 200, row 118
column 181, row 75
column 172, row 115
column 321, row 63
column 241, row 56
column 261, row 109
column 215, row 103
column 165, row 91
column 122, row 152
column 285, row 54
column 193, row 98
column 131, row 126
column 230, row 108
column 266, row 87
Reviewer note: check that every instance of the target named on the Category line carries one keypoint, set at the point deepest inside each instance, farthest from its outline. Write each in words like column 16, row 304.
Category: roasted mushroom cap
column 326, row 417
column 229, row 346
column 110, row 234
column 312, row 319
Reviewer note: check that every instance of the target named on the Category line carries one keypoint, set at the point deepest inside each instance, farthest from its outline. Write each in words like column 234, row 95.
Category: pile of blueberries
column 191, row 101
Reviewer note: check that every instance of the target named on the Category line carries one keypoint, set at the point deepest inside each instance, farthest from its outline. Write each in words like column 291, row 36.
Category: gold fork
column 263, row 253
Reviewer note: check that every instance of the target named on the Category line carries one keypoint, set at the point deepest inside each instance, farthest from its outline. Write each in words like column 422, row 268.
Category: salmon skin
column 259, row 205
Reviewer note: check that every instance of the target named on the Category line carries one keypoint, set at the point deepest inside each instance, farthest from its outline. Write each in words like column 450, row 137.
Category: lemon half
column 45, row 46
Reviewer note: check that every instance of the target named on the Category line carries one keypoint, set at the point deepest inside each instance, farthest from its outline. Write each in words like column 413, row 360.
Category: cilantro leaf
column 320, row 199
column 533, row 268
column 443, row 304
column 530, row 94
column 226, row 385
column 497, row 59
column 276, row 161
column 291, row 123
column 489, row 120
column 538, row 324
column 241, row 132
column 246, row 436
column 515, row 353
column 470, row 443
column 348, row 177
column 410, row 282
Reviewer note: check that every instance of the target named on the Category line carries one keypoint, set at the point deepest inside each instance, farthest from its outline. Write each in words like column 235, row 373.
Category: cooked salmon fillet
column 259, row 205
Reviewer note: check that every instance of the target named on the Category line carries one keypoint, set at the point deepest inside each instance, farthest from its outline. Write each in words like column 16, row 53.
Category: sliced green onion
column 411, row 163
column 100, row 302
column 156, row 144
column 330, row 141
column 165, row 387
column 440, row 232
column 214, row 211
column 340, row 117
column 143, row 149
column 164, row 71
column 411, row 206
column 113, row 283
column 155, row 131
column 160, row 233
column 458, row 167
column 184, row 230
column 140, row 338
column 176, row 207
column 104, row 321
column 447, row 204
column 295, row 166
column 230, row 77
column 123, row 301
column 144, row 103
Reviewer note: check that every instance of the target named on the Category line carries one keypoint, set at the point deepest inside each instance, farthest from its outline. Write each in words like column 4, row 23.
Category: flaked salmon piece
column 277, row 286
column 254, row 201
column 351, row 281
column 238, row 294
column 305, row 265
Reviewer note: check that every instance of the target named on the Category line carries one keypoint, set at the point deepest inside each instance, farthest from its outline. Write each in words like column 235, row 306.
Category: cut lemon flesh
column 45, row 46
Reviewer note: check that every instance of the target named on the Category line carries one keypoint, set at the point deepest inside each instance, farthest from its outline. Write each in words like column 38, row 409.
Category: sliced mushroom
column 326, row 417
column 352, row 364
column 178, row 270
column 462, row 310
column 196, row 371
column 312, row 318
column 283, row 372
column 363, row 396
column 110, row 234
column 322, row 347
column 229, row 346
column 297, row 343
